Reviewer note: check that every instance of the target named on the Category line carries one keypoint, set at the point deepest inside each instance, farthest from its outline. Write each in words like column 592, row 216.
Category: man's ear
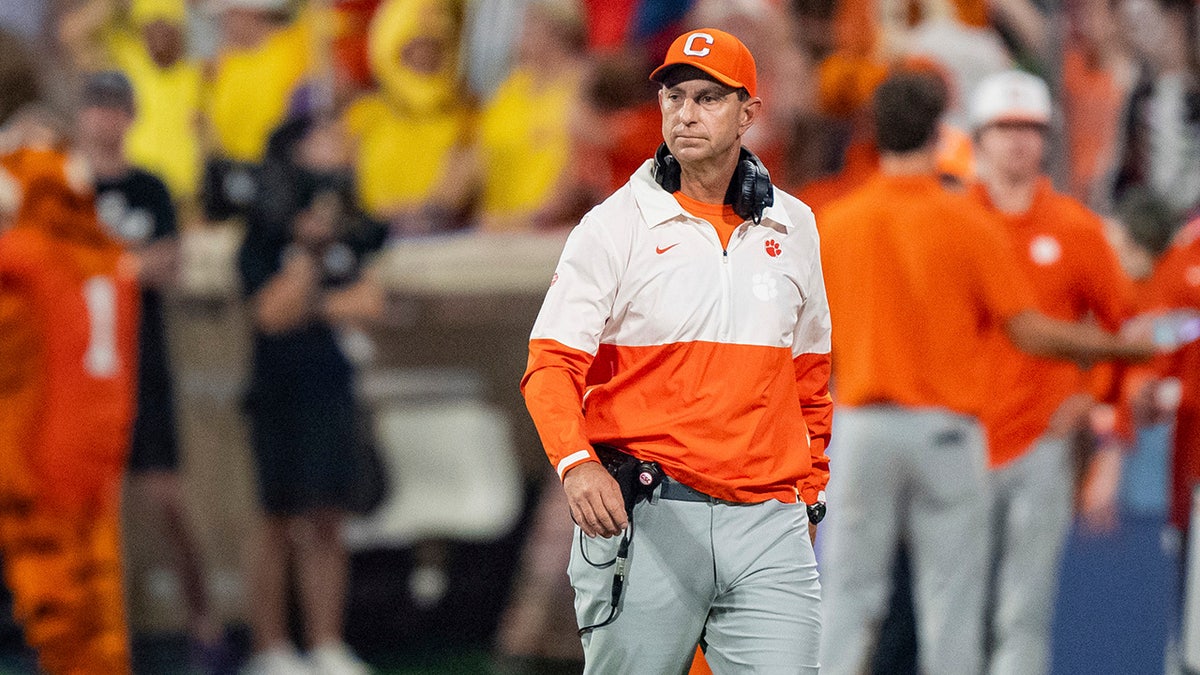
column 750, row 112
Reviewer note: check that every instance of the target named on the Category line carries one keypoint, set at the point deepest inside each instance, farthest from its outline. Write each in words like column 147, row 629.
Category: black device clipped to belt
column 637, row 479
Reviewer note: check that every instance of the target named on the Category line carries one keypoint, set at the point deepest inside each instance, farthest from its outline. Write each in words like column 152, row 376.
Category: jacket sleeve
column 564, row 341
column 811, row 361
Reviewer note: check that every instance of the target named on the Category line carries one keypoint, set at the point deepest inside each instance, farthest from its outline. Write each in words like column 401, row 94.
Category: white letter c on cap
column 703, row 51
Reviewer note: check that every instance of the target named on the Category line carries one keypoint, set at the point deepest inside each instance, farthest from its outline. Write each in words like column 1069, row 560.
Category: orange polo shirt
column 1175, row 284
column 917, row 277
column 1063, row 251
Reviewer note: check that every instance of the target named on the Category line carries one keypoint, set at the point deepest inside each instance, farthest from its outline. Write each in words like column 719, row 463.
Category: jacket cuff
column 574, row 459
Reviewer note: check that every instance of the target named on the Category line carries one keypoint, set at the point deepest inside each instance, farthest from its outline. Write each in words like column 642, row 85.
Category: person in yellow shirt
column 263, row 59
column 523, row 139
column 164, row 138
column 408, row 130
column 145, row 40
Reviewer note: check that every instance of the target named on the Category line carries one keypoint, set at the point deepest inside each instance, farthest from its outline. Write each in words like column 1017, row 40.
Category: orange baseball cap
column 715, row 52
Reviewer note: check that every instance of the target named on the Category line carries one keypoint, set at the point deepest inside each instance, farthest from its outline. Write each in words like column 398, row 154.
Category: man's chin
column 690, row 151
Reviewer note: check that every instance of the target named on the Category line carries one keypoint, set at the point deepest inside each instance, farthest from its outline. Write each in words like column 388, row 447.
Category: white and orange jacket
column 713, row 363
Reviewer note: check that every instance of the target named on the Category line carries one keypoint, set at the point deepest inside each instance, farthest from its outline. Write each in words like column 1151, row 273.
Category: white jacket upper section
column 640, row 271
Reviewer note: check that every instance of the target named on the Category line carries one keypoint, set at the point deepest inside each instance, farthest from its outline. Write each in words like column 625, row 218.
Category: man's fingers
column 609, row 524
column 587, row 519
column 596, row 517
column 614, row 504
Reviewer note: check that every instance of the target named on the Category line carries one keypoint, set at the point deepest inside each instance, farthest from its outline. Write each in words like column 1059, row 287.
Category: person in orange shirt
column 683, row 346
column 918, row 278
column 1036, row 403
column 68, row 354
column 1170, row 389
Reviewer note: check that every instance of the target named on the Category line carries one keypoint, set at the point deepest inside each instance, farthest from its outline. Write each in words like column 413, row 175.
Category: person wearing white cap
column 1037, row 404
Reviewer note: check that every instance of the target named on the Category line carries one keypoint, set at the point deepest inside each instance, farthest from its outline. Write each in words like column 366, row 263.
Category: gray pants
column 742, row 575
column 919, row 474
column 1032, row 502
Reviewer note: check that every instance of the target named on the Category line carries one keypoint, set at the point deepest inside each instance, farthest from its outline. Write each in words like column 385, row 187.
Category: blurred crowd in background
column 510, row 115
column 500, row 116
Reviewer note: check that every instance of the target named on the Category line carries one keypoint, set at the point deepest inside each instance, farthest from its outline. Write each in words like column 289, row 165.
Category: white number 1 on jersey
column 101, row 359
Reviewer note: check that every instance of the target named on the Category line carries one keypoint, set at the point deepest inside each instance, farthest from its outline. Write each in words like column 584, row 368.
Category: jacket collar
column 659, row 206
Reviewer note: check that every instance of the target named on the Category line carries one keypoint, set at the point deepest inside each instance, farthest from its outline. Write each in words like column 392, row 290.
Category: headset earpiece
column 749, row 191
column 666, row 169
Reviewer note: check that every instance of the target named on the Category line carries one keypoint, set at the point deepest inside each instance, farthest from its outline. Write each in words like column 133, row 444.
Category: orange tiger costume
column 68, row 327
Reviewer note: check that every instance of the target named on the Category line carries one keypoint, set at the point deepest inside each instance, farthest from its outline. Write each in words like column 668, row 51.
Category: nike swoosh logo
column 664, row 249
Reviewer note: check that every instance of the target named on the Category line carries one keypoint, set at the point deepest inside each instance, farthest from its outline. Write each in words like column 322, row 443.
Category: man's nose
column 687, row 110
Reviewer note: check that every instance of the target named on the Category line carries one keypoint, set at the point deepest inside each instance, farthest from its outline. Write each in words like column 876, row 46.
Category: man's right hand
column 595, row 499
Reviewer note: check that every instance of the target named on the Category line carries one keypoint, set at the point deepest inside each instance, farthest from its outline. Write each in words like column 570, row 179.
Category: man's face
column 104, row 125
column 1013, row 149
column 703, row 119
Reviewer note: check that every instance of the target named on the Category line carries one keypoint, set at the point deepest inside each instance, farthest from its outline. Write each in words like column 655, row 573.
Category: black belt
column 674, row 490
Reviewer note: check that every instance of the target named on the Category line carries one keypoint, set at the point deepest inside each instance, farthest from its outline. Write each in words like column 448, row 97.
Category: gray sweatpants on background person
column 917, row 474
column 1032, row 503
column 742, row 575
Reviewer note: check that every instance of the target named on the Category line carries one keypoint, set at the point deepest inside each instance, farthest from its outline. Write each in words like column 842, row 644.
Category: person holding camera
column 303, row 270
column 686, row 330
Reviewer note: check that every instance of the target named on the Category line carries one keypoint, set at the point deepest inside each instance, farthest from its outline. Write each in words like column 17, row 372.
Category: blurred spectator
column 68, row 350
column 878, row 30
column 617, row 127
column 1039, row 404
column 1144, row 225
column 1175, row 284
column 1160, row 130
column 146, row 42
column 910, row 362
column 1140, row 232
column 302, row 268
column 963, row 55
column 80, row 32
column 408, row 132
column 136, row 208
column 1096, row 76
column 523, row 139
column 844, row 90
column 1169, row 390
column 265, row 54
column 349, row 46
column 165, row 137
column 785, row 70
column 18, row 78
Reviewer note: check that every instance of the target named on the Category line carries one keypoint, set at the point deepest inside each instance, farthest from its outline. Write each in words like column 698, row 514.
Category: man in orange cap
column 678, row 376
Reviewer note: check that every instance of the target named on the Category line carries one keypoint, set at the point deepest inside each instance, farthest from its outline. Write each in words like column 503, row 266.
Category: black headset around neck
column 749, row 190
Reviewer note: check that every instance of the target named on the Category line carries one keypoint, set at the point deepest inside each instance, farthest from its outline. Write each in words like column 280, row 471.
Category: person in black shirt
column 137, row 207
column 302, row 269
